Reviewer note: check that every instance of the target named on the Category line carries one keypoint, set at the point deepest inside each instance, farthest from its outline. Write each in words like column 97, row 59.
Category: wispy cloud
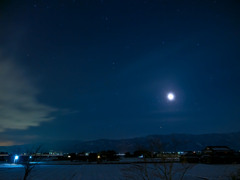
column 7, row 143
column 19, row 107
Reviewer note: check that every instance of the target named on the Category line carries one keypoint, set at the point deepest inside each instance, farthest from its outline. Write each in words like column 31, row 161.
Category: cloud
column 7, row 143
column 19, row 107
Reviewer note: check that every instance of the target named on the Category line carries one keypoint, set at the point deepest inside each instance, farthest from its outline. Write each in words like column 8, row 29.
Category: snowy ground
column 106, row 172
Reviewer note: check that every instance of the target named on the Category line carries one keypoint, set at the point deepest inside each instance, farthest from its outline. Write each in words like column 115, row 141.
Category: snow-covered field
column 106, row 172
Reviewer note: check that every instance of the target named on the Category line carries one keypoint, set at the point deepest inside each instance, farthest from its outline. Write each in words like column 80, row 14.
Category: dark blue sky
column 90, row 69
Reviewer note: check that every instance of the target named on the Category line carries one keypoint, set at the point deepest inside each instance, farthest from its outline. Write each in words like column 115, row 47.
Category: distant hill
column 171, row 142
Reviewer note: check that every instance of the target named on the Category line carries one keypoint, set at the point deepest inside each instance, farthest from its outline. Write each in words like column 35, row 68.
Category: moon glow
column 170, row 96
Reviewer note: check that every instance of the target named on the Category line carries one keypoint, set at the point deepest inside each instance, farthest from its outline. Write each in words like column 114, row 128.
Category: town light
column 16, row 157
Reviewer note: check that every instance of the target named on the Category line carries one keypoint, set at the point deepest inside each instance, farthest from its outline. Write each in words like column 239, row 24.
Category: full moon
column 170, row 96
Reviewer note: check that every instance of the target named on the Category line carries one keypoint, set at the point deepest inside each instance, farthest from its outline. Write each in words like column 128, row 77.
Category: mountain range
column 170, row 142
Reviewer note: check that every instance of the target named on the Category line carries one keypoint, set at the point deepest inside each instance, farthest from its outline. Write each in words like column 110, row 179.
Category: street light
column 16, row 157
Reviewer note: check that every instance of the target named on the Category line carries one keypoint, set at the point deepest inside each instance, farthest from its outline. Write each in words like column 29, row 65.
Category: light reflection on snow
column 108, row 171
column 12, row 165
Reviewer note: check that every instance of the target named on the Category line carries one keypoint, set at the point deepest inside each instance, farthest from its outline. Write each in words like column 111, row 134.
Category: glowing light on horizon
column 16, row 157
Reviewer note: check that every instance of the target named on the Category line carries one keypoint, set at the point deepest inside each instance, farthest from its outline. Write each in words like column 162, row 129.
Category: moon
column 170, row 96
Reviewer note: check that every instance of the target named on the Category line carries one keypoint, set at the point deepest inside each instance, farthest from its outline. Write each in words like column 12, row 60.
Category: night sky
column 91, row 69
